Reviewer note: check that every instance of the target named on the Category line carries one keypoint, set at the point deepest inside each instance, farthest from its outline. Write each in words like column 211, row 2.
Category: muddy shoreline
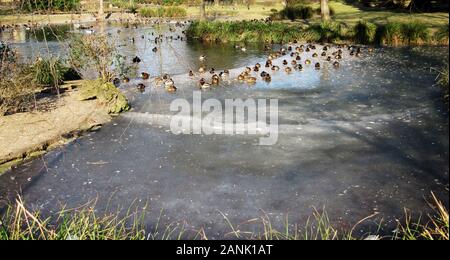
column 26, row 136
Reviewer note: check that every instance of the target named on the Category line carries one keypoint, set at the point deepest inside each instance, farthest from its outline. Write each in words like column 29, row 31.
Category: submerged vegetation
column 83, row 223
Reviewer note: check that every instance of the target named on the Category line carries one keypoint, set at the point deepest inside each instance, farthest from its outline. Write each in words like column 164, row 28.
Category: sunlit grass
column 351, row 15
column 84, row 223
column 436, row 226
column 442, row 80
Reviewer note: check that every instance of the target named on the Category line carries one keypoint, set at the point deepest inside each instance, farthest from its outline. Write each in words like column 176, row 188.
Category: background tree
column 202, row 11
column 100, row 10
column 324, row 10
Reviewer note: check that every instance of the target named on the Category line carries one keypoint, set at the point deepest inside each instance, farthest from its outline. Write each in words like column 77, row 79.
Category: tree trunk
column 101, row 14
column 324, row 10
column 202, row 11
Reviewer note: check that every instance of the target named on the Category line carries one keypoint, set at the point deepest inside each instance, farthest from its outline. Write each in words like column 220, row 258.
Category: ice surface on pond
column 371, row 136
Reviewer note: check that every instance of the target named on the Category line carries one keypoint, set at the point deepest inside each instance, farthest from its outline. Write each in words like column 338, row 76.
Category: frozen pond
column 371, row 136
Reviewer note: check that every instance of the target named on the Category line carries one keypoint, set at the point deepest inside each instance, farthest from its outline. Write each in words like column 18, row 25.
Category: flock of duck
column 295, row 57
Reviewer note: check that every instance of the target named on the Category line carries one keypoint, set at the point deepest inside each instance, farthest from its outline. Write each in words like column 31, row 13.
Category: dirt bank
column 30, row 134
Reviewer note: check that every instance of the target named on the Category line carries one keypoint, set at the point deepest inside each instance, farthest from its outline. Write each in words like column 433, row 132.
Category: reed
column 84, row 223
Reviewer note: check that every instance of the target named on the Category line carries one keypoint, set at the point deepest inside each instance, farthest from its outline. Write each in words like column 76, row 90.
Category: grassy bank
column 19, row 223
column 362, row 32
column 351, row 15
column 166, row 12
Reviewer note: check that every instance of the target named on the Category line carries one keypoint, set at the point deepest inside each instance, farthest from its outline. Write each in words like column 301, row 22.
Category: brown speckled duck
column 145, row 75
column 141, row 87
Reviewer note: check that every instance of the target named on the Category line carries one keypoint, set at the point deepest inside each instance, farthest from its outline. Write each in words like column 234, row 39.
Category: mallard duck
column 141, row 87
column 255, row 69
column 125, row 79
column 202, row 69
column 307, row 49
column 288, row 69
column 275, row 68
column 212, row 71
column 314, row 55
column 248, row 70
column 203, row 84
column 191, row 73
column 323, row 54
column 307, row 61
column 298, row 58
column 317, row 65
column 159, row 81
column 116, row 82
column 202, row 81
column 300, row 67
column 168, row 83
column 241, row 77
column 289, row 48
column 329, row 58
column 293, row 62
column 202, row 58
column 215, row 79
column 171, row 88
column 136, row 59
column 338, row 57
column 285, row 62
column 336, row 64
column 267, row 78
column 155, row 49
column 166, row 76
column 251, row 80
column 257, row 65
column 145, row 75
column 263, row 74
column 325, row 48
column 224, row 75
